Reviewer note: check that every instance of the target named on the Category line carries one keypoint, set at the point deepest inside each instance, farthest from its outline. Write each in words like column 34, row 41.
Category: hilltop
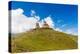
column 43, row 39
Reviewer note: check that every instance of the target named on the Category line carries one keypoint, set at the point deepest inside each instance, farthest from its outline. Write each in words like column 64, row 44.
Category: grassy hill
column 43, row 39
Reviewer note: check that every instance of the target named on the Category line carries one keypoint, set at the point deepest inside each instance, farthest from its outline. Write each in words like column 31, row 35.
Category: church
column 45, row 25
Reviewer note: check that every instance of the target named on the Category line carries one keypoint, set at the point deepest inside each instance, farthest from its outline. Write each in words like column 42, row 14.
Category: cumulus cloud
column 20, row 22
column 16, row 12
column 49, row 22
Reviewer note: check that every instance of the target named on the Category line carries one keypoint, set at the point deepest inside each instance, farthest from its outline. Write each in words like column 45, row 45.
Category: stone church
column 45, row 25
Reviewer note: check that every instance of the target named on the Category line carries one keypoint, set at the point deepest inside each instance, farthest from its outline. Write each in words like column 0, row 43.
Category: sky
column 60, row 17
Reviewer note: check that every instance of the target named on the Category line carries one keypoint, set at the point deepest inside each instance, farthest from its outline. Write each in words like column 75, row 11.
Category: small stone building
column 37, row 25
column 45, row 25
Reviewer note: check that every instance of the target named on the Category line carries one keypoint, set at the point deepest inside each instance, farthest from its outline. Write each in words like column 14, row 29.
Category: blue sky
column 64, row 16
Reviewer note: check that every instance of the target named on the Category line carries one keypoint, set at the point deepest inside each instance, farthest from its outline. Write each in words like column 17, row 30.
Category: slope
column 43, row 39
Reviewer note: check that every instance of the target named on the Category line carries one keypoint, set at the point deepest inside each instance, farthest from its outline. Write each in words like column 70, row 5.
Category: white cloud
column 49, row 22
column 58, row 29
column 17, row 12
column 63, row 28
column 37, row 18
column 33, row 13
column 71, row 31
column 67, row 31
column 20, row 22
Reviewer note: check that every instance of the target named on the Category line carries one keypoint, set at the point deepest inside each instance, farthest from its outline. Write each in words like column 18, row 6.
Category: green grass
column 43, row 40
